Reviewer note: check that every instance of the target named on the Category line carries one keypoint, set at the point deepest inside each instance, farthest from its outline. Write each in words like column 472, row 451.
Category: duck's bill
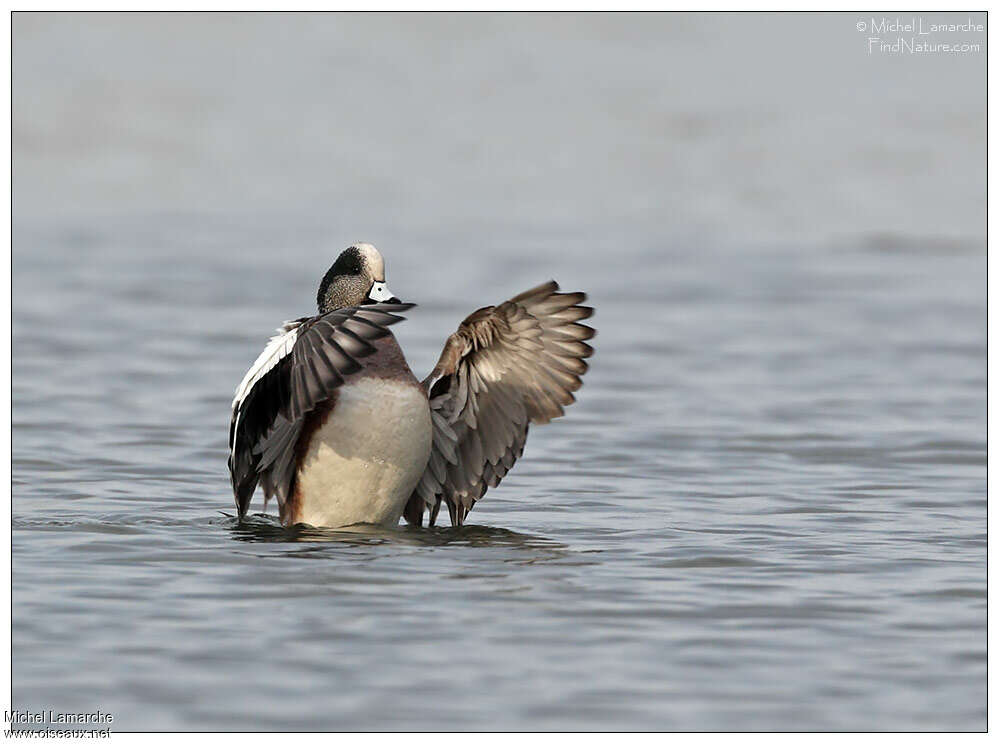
column 381, row 293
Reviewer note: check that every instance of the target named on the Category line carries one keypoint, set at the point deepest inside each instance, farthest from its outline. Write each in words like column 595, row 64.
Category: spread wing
column 506, row 367
column 297, row 371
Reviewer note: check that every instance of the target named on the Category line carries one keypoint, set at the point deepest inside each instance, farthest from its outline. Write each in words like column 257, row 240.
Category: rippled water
column 767, row 508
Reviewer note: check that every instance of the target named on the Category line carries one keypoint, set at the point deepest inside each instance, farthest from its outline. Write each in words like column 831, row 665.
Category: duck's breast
column 361, row 457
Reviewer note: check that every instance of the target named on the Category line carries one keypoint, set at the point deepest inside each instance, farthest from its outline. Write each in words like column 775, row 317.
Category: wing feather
column 506, row 367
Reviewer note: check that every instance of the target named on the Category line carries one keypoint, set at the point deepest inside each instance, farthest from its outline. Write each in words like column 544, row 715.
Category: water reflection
column 268, row 528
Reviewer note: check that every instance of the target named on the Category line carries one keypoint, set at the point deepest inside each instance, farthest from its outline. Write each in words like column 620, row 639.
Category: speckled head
column 357, row 277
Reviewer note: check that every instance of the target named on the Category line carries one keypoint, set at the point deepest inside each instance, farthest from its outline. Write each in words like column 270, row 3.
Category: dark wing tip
column 383, row 313
column 576, row 297
column 548, row 288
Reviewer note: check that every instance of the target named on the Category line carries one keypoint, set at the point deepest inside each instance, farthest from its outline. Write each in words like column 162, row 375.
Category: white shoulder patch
column 277, row 349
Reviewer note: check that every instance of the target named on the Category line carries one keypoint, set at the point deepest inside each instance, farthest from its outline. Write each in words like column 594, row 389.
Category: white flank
column 277, row 349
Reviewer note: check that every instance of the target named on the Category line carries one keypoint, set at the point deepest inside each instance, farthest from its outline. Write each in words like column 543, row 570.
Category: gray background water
column 767, row 509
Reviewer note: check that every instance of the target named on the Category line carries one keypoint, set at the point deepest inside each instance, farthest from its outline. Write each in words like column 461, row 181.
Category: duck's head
column 357, row 277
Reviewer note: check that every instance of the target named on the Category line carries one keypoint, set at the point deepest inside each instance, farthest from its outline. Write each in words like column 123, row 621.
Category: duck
column 331, row 421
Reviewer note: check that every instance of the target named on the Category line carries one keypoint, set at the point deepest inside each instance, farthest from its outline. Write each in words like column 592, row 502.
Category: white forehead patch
column 373, row 258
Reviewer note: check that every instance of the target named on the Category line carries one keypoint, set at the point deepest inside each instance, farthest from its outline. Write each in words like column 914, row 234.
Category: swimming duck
column 332, row 422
